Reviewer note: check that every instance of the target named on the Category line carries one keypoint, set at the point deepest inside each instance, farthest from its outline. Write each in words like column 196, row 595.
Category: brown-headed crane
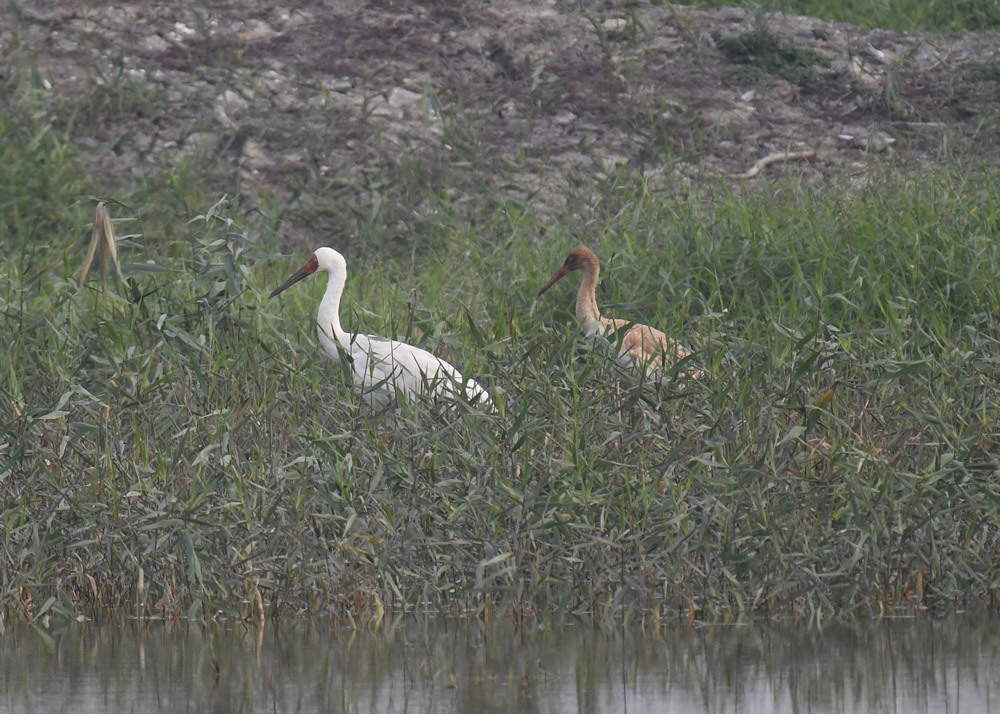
column 643, row 347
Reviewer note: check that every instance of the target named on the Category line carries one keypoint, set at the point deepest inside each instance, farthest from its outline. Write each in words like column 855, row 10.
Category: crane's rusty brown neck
column 587, row 311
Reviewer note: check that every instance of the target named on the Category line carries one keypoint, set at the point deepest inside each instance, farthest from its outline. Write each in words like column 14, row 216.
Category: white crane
column 643, row 347
column 382, row 368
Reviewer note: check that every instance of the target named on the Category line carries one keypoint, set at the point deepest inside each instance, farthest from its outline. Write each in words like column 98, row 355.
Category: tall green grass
column 179, row 444
column 176, row 443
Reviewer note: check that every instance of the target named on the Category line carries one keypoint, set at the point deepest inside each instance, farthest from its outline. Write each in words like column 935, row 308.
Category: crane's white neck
column 328, row 317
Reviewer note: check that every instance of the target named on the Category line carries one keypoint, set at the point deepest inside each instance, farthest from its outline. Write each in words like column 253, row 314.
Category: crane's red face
column 304, row 272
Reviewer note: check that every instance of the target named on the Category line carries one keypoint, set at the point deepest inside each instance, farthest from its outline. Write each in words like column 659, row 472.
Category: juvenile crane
column 643, row 347
column 382, row 368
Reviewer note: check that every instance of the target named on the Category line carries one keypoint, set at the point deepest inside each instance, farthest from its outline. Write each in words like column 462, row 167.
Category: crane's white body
column 382, row 368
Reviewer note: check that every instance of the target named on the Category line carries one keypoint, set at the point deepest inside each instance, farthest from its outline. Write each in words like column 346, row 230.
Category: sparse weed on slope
column 908, row 16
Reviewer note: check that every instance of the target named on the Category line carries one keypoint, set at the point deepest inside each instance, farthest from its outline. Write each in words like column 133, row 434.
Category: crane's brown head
column 578, row 258
column 304, row 272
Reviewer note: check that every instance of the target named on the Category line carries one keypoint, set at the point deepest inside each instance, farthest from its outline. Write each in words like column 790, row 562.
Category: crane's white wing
column 409, row 371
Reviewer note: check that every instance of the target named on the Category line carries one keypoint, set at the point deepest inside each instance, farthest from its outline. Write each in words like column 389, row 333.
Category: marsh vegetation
column 174, row 443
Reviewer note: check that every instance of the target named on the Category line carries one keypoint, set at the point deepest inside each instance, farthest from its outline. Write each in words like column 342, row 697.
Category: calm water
column 903, row 665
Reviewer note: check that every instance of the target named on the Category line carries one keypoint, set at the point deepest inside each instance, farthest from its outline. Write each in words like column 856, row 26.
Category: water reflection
column 907, row 665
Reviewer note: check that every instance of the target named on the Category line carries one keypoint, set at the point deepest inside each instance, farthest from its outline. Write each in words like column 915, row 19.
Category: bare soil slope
column 323, row 102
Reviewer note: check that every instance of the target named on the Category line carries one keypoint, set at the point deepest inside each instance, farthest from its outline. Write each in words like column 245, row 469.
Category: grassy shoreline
column 179, row 445
column 194, row 452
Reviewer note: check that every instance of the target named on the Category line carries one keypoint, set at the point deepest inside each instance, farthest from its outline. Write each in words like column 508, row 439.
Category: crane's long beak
column 304, row 272
column 563, row 270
